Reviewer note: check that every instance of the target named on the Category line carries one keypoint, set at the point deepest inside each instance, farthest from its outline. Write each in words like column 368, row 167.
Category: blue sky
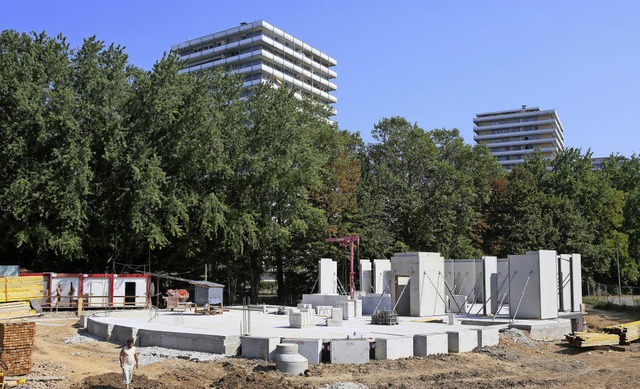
column 434, row 63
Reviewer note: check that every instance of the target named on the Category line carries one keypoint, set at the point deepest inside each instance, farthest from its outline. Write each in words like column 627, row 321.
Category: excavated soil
column 514, row 363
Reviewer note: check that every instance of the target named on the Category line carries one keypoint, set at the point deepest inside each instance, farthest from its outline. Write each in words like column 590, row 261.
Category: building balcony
column 527, row 142
column 491, row 127
column 325, row 71
column 485, row 138
column 480, row 118
column 266, row 59
column 546, row 152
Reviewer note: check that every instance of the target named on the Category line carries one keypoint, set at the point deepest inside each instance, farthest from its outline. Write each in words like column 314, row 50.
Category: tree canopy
column 102, row 162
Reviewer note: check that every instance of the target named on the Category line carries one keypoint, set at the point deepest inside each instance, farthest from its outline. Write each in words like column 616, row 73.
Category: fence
column 610, row 293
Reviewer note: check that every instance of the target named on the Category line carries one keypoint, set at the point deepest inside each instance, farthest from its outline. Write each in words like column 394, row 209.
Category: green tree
column 44, row 151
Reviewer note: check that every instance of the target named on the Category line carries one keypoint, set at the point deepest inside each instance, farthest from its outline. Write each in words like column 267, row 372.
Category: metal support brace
column 522, row 295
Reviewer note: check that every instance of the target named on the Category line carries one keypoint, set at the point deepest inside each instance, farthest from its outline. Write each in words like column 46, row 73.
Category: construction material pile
column 620, row 334
column 20, row 288
column 592, row 339
column 384, row 317
column 628, row 332
column 15, row 293
column 16, row 341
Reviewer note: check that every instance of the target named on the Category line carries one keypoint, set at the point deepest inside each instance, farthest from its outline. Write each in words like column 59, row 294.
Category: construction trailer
column 96, row 290
column 208, row 297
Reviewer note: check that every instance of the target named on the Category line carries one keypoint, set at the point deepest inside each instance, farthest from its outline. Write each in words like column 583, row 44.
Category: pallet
column 385, row 318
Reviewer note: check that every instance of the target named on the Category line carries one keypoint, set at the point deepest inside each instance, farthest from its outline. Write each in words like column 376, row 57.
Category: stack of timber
column 628, row 332
column 592, row 339
column 16, row 309
column 16, row 340
column 20, row 288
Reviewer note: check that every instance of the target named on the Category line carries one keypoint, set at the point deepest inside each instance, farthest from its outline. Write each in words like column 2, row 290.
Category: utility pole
column 619, row 282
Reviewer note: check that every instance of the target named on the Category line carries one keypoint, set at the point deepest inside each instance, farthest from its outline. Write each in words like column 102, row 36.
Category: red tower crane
column 345, row 241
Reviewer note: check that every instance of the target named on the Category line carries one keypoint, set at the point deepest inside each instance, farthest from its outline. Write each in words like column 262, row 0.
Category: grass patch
column 606, row 305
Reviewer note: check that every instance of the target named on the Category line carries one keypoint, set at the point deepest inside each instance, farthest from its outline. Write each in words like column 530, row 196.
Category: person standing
column 58, row 295
column 128, row 361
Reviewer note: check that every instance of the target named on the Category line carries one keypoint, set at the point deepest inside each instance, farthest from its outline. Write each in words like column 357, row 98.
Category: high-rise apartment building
column 262, row 52
column 514, row 134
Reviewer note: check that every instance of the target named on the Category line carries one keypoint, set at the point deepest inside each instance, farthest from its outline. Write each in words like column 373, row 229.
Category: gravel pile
column 519, row 336
column 149, row 355
column 81, row 337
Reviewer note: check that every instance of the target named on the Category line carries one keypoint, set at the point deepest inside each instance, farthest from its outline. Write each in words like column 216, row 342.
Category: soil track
column 512, row 363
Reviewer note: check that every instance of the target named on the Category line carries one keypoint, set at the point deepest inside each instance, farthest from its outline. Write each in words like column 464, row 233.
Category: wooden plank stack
column 592, row 339
column 21, row 288
column 17, row 340
column 15, row 309
column 628, row 332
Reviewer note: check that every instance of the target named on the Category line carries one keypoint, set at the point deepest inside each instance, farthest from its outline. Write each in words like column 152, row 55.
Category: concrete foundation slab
column 547, row 329
column 82, row 321
column 99, row 329
column 259, row 347
column 308, row 348
column 344, row 351
column 462, row 341
column 430, row 344
column 217, row 344
column 121, row 334
column 394, row 348
column 488, row 337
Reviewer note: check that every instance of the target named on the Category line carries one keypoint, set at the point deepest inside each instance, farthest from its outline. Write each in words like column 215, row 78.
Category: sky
column 435, row 63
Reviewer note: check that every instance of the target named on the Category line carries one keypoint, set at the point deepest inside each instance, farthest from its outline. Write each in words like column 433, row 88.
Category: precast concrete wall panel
column 564, row 282
column 217, row 344
column 426, row 285
column 366, row 285
column 533, row 285
column 328, row 276
column 381, row 276
column 576, row 282
column 489, row 272
column 464, row 278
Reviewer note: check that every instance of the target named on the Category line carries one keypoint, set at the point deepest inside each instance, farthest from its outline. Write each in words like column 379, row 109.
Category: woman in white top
column 128, row 360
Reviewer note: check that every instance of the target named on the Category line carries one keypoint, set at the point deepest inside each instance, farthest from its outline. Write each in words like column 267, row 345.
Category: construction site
column 414, row 320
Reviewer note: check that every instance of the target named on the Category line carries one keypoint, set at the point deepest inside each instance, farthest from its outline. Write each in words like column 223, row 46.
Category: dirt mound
column 114, row 380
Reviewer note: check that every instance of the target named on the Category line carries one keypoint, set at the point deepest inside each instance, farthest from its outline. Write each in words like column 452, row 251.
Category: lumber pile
column 628, row 332
column 21, row 288
column 16, row 340
column 15, row 309
column 592, row 339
